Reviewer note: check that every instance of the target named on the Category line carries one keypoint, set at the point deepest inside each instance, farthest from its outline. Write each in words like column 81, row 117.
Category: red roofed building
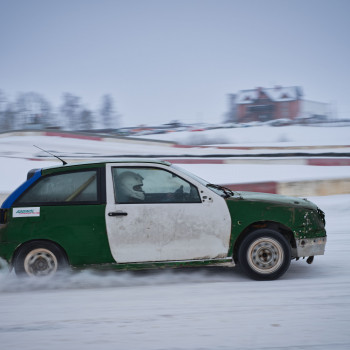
column 264, row 104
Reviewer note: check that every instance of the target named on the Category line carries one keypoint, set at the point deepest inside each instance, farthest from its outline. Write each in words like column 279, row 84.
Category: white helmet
column 130, row 184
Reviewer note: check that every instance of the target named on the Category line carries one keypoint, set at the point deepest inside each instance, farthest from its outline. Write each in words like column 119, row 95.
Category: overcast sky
column 174, row 59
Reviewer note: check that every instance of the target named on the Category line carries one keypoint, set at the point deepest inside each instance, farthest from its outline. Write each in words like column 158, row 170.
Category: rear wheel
column 264, row 255
column 39, row 258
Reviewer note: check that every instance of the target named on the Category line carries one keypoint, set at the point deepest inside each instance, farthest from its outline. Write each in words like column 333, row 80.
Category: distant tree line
column 31, row 110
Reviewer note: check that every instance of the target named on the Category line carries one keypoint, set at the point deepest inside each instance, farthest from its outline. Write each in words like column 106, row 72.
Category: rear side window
column 68, row 188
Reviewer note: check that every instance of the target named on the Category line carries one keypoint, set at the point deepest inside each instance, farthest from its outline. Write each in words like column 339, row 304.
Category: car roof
column 100, row 163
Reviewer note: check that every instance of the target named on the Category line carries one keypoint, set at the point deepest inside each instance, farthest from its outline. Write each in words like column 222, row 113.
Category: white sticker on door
column 25, row 212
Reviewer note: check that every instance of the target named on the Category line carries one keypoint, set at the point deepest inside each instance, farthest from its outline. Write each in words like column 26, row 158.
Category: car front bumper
column 309, row 247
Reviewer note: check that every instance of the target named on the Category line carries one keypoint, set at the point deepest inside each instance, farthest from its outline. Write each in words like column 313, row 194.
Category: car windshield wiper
column 227, row 191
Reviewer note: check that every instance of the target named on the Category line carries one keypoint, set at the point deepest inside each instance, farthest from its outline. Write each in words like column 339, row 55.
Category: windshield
column 195, row 177
column 220, row 190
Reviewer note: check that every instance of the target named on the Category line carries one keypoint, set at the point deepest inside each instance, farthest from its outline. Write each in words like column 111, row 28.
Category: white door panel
column 167, row 231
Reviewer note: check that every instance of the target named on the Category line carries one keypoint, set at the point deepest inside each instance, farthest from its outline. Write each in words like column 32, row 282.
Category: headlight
column 322, row 216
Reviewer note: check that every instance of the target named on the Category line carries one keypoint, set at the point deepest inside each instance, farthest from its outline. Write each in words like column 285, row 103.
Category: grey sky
column 163, row 60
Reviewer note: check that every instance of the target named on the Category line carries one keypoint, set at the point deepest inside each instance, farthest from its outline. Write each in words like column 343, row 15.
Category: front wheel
column 39, row 258
column 264, row 255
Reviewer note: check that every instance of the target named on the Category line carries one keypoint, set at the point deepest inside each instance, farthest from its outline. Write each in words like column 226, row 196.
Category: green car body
column 75, row 215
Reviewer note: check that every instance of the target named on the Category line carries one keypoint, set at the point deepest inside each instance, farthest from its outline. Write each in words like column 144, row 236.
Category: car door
column 69, row 210
column 165, row 216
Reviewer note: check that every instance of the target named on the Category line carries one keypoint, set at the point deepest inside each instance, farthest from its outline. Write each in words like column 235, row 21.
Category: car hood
column 272, row 199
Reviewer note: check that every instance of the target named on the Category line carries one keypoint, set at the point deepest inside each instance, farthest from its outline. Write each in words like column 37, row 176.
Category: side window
column 151, row 185
column 68, row 188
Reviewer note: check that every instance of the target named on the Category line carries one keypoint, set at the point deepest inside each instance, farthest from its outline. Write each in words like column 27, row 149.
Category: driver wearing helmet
column 129, row 188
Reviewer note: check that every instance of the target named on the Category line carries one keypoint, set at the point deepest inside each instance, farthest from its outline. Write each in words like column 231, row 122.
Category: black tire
column 264, row 255
column 39, row 258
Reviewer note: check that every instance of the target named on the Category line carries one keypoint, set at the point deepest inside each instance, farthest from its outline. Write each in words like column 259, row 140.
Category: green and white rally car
column 144, row 213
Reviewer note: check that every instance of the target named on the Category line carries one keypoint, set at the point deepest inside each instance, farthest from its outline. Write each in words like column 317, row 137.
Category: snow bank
column 262, row 135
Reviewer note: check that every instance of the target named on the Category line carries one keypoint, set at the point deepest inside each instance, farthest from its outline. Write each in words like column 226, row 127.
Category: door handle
column 117, row 213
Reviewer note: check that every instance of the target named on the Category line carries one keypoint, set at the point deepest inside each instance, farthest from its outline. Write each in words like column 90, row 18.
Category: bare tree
column 71, row 110
column 107, row 112
column 9, row 117
column 32, row 110
column 86, row 119
column 2, row 110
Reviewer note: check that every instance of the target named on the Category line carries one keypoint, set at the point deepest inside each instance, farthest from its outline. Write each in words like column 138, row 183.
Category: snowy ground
column 262, row 136
column 207, row 308
column 210, row 308
column 15, row 152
